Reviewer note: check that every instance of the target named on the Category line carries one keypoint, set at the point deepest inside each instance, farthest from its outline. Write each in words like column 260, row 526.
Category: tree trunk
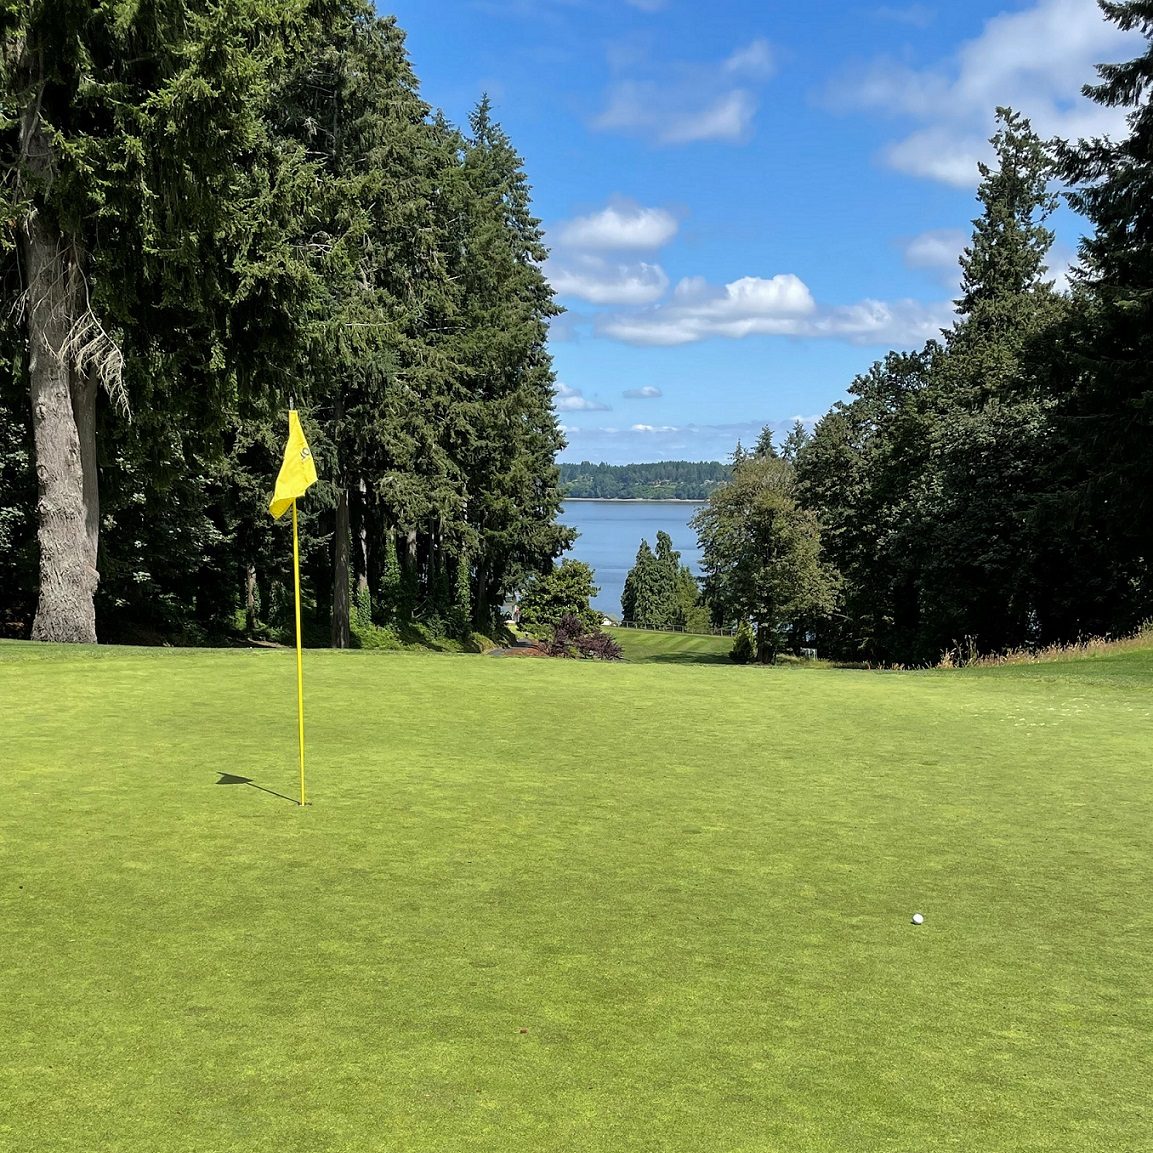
column 360, row 557
column 63, row 417
column 84, row 387
column 766, row 644
column 481, row 609
column 250, row 599
column 67, row 529
column 412, row 567
column 341, row 633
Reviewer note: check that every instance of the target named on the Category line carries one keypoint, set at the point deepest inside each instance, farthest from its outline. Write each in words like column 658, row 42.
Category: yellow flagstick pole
column 299, row 658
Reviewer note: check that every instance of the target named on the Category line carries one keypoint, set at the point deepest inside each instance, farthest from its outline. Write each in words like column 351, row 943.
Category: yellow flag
column 297, row 472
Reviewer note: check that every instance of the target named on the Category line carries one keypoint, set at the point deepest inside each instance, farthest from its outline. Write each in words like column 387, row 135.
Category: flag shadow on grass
column 231, row 779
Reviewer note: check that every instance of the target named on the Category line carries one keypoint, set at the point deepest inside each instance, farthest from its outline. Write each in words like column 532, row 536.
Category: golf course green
column 545, row 905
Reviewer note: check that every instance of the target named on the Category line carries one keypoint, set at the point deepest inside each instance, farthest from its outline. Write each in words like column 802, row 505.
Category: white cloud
column 618, row 227
column 895, row 324
column 729, row 117
column 641, row 442
column 940, row 248
column 1034, row 60
column 743, row 307
column 755, row 59
column 686, row 103
column 938, row 252
column 779, row 306
column 945, row 153
column 598, row 281
column 572, row 400
column 643, row 108
column 751, row 295
column 648, row 392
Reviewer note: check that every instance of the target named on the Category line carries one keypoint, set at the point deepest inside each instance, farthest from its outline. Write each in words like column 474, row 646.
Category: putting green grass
column 552, row 905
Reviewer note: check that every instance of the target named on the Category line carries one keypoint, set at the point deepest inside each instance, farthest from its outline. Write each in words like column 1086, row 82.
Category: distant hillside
column 663, row 480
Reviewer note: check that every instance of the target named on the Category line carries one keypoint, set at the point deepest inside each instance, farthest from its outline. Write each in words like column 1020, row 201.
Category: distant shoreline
column 635, row 500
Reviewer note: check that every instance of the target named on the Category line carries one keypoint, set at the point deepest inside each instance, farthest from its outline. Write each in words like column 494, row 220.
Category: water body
column 611, row 532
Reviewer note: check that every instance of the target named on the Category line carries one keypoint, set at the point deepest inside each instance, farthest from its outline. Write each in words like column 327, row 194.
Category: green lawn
column 551, row 905
column 650, row 647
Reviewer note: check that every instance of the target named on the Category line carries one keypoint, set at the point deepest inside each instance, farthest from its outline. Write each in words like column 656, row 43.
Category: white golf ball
column 918, row 919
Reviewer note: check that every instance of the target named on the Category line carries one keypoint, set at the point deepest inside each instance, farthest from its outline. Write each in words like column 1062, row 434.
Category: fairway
column 645, row 646
column 553, row 905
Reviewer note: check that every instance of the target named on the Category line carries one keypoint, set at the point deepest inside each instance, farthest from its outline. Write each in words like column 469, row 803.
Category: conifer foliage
column 209, row 210
column 660, row 592
column 1106, row 410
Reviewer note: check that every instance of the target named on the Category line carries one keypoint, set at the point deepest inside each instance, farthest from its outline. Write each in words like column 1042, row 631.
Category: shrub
column 571, row 639
column 598, row 646
column 744, row 644
column 370, row 636
column 550, row 598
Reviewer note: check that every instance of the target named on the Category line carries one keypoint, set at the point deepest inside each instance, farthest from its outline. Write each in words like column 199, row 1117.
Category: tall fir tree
column 991, row 431
column 508, row 434
column 930, row 482
column 1105, row 483
column 143, row 192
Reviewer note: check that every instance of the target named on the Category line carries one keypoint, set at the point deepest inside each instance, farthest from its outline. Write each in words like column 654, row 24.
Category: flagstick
column 299, row 659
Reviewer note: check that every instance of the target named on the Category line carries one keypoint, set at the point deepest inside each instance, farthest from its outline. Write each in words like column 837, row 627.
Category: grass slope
column 544, row 906
column 645, row 646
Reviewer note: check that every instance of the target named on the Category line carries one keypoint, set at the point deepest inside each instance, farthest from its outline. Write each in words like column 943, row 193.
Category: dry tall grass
column 966, row 656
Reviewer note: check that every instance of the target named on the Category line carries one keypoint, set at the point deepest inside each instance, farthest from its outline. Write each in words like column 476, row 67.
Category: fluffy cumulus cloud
column 573, row 400
column 619, row 227
column 685, row 103
column 894, row 323
column 600, row 281
column 779, row 306
column 648, row 392
column 1034, row 60
column 633, row 303
column 583, row 267
column 751, row 305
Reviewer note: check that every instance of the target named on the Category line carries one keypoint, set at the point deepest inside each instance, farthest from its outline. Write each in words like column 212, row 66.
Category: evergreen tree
column 860, row 473
column 659, row 591
column 795, row 442
column 566, row 591
column 352, row 103
column 1006, row 257
column 764, row 445
column 1103, row 505
column 930, row 482
column 639, row 598
column 504, row 432
column 17, row 505
column 991, row 430
column 668, row 567
column 144, row 194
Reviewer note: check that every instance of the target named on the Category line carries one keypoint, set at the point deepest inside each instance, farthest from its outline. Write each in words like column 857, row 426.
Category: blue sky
column 748, row 203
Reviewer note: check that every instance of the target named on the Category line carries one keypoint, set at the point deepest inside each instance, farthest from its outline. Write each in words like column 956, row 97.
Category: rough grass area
column 554, row 905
